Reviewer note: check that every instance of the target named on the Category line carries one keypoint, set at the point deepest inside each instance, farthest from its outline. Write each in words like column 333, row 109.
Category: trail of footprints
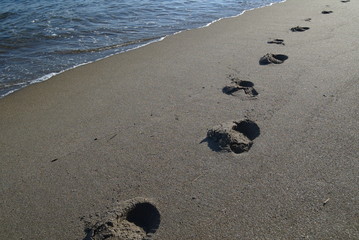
column 238, row 136
column 139, row 218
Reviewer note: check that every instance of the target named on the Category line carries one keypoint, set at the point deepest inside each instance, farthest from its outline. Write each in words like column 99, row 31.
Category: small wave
column 6, row 15
column 101, row 49
column 4, row 46
column 72, row 34
column 9, row 85
column 9, row 88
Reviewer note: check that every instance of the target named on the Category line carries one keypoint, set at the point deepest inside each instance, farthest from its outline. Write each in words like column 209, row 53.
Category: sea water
column 39, row 39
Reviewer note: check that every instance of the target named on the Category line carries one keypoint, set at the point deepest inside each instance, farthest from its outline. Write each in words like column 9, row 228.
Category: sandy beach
column 137, row 145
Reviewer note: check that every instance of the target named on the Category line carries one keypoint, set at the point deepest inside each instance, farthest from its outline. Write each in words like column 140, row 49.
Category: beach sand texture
column 137, row 146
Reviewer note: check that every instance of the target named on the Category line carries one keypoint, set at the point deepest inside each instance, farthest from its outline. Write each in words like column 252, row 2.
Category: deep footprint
column 299, row 29
column 235, row 136
column 238, row 85
column 276, row 41
column 272, row 58
column 327, row 12
column 137, row 219
column 345, row 1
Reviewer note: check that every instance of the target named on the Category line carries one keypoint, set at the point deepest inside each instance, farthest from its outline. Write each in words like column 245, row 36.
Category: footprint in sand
column 136, row 219
column 272, row 58
column 299, row 29
column 237, row 85
column 327, row 12
column 235, row 136
column 308, row 19
column 345, row 1
column 276, row 41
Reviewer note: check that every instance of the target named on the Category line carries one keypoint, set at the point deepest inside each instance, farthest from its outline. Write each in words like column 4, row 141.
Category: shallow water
column 41, row 38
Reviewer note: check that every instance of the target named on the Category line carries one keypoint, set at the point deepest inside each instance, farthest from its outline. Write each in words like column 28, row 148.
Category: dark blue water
column 41, row 38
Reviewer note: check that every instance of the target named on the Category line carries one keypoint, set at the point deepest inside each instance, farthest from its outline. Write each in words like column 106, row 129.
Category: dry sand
column 77, row 148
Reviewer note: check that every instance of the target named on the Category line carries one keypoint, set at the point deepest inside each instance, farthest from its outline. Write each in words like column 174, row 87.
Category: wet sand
column 120, row 146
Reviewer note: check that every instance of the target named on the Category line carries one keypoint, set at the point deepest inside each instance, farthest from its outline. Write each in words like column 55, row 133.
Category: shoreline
column 50, row 75
column 133, row 135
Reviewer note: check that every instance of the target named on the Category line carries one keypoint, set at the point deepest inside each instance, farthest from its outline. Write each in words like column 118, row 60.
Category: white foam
column 50, row 75
column 270, row 4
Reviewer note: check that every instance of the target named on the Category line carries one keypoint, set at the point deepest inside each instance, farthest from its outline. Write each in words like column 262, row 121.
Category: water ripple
column 41, row 37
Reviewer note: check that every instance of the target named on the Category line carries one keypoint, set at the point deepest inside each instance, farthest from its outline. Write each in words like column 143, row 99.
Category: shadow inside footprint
column 138, row 219
column 251, row 92
column 327, row 12
column 244, row 83
column 272, row 58
column 229, row 90
column 276, row 41
column 234, row 136
column 237, row 85
column 249, row 129
column 345, row 1
column 299, row 29
column 89, row 233
column 146, row 216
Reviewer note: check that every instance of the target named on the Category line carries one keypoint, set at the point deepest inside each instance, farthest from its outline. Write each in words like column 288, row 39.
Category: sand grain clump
column 299, row 29
column 237, row 84
column 136, row 219
column 272, row 58
column 235, row 136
